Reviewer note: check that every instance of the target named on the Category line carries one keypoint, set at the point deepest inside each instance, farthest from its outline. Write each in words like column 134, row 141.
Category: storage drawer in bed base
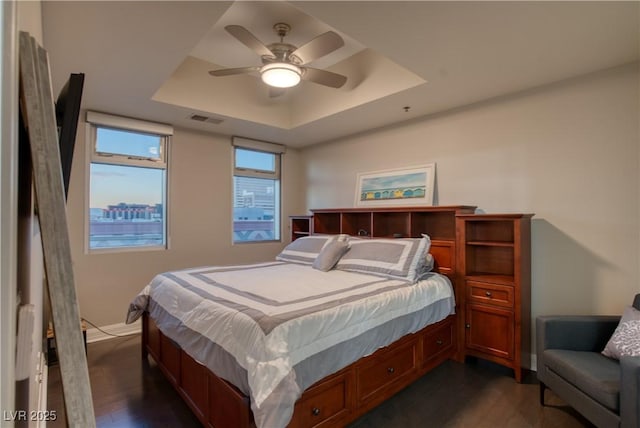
column 333, row 401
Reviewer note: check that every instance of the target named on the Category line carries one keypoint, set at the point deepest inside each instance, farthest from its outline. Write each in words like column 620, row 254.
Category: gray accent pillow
column 330, row 255
column 625, row 340
column 424, row 271
column 393, row 258
column 305, row 250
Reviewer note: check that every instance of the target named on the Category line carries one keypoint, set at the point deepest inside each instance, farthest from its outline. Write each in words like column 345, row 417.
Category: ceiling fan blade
column 232, row 71
column 319, row 47
column 248, row 39
column 324, row 77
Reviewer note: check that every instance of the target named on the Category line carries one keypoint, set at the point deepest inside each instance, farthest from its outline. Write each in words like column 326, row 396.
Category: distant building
column 253, row 199
column 138, row 212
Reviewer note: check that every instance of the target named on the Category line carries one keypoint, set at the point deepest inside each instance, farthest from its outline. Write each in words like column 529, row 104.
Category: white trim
column 41, row 381
column 534, row 363
column 8, row 201
column 122, row 122
column 261, row 146
column 121, row 329
column 87, row 183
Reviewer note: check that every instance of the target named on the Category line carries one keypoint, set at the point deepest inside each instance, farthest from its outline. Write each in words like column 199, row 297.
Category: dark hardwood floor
column 130, row 392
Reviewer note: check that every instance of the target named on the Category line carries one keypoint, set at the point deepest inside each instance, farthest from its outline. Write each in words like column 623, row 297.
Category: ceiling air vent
column 207, row 119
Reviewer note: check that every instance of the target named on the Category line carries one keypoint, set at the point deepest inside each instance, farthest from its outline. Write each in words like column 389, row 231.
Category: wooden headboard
column 405, row 222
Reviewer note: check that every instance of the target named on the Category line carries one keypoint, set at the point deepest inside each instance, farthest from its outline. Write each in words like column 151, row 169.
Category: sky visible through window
column 114, row 184
column 255, row 160
column 128, row 143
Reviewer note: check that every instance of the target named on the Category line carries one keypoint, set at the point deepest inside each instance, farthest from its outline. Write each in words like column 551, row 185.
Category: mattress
column 273, row 329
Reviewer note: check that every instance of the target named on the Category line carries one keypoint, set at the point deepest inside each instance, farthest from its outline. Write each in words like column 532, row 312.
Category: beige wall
column 199, row 216
column 30, row 18
column 567, row 152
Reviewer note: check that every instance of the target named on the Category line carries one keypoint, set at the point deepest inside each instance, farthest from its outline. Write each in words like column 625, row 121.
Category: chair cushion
column 591, row 372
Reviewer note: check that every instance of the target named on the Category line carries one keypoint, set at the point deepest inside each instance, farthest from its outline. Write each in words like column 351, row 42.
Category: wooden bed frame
column 333, row 401
column 343, row 396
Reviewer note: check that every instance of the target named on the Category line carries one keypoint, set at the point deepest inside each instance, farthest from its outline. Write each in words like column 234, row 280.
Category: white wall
column 568, row 152
column 200, row 224
column 8, row 202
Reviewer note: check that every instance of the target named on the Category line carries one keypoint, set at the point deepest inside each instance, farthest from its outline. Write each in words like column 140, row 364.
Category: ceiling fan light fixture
column 281, row 74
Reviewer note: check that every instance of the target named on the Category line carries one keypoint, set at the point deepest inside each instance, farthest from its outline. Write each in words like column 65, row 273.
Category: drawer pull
column 390, row 370
column 487, row 293
column 439, row 342
column 315, row 411
column 467, row 325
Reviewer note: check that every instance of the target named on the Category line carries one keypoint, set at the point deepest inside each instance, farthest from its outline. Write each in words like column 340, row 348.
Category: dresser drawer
column 384, row 368
column 438, row 341
column 325, row 403
column 494, row 294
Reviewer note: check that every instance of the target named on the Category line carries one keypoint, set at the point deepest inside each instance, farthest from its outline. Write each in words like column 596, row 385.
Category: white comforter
column 271, row 316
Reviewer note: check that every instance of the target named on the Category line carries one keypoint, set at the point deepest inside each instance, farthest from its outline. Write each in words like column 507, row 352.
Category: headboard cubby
column 398, row 222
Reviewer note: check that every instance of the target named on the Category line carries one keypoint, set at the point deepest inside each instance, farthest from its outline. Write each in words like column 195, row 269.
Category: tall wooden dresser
column 494, row 268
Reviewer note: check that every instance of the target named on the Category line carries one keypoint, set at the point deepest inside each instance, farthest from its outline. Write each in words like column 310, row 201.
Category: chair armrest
column 630, row 392
column 574, row 332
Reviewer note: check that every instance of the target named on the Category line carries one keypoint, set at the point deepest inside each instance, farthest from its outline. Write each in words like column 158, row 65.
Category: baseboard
column 42, row 395
column 534, row 363
column 120, row 329
column 529, row 361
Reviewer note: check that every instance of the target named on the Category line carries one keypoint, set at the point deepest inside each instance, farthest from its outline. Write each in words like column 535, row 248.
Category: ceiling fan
column 283, row 64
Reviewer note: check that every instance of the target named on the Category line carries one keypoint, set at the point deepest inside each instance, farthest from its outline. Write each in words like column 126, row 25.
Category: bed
column 317, row 337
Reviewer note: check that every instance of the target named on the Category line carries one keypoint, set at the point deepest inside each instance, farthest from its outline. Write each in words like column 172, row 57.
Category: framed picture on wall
column 396, row 187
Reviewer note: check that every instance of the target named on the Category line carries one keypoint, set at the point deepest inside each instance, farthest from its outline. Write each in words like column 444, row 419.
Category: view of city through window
column 254, row 209
column 126, row 201
column 256, row 196
column 127, row 207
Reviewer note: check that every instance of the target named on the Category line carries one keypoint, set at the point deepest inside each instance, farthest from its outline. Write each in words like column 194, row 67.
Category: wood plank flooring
column 131, row 393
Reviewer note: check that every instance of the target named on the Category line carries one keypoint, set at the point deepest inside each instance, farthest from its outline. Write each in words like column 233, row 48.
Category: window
column 127, row 183
column 256, row 191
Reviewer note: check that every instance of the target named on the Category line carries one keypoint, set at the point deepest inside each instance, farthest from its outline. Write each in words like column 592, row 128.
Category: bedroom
column 562, row 145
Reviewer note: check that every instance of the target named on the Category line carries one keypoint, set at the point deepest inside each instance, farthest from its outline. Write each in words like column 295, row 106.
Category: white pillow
column 330, row 255
column 395, row 258
column 625, row 340
column 304, row 250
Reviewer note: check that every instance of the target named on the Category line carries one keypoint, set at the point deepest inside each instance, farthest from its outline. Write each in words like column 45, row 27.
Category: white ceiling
column 149, row 60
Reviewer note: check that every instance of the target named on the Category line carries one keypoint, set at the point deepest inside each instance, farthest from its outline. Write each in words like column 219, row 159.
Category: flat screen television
column 67, row 113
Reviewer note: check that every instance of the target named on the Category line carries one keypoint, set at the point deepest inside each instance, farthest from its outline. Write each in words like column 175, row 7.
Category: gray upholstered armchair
column 569, row 360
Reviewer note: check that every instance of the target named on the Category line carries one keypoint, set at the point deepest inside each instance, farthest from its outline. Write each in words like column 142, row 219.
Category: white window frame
column 258, row 146
column 97, row 120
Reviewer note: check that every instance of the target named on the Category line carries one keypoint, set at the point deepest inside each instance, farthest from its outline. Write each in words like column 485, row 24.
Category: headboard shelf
column 438, row 222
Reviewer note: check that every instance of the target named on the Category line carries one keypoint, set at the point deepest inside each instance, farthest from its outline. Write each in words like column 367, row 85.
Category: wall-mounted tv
column 67, row 113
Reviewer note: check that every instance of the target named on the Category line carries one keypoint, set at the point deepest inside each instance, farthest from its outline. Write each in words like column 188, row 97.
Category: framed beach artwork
column 396, row 187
